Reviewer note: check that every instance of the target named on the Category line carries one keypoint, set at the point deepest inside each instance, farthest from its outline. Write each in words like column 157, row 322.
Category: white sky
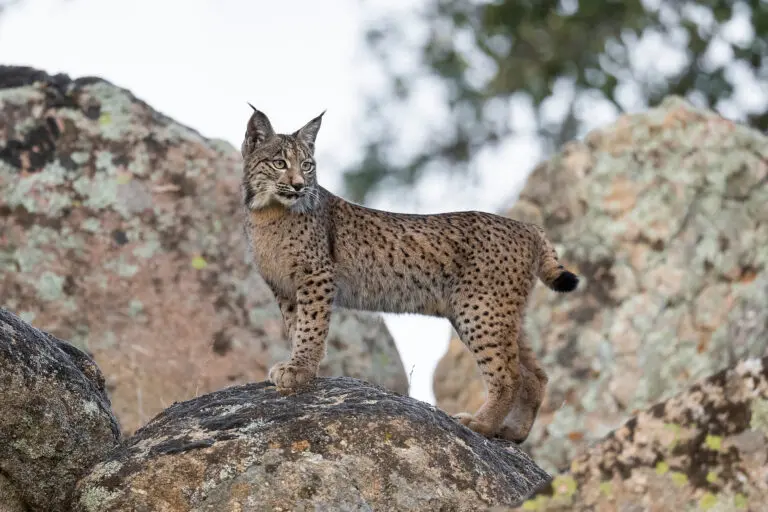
column 199, row 61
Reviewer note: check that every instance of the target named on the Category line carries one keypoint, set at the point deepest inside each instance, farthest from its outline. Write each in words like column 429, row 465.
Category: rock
column 704, row 449
column 56, row 421
column 121, row 232
column 665, row 215
column 341, row 444
column 10, row 500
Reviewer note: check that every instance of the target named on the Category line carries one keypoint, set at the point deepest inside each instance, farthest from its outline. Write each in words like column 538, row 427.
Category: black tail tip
column 565, row 282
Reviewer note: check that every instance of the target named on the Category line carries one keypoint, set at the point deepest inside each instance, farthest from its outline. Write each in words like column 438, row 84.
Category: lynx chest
column 277, row 252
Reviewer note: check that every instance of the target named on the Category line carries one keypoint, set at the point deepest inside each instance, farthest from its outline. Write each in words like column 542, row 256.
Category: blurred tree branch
column 6, row 3
column 485, row 54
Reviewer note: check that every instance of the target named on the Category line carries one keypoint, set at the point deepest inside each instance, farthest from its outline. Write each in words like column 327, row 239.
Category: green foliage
column 485, row 54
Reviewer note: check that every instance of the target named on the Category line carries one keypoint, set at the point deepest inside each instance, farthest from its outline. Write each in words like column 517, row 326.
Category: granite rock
column 56, row 420
column 340, row 444
column 704, row 449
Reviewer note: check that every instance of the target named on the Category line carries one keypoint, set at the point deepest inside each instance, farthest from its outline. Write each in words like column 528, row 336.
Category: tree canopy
column 485, row 56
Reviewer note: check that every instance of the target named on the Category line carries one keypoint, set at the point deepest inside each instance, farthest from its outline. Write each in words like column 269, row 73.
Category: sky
column 200, row 61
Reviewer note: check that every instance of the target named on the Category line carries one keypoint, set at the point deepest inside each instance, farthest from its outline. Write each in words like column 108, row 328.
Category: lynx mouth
column 289, row 195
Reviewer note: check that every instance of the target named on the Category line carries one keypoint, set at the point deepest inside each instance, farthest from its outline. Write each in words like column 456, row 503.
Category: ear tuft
column 259, row 130
column 308, row 133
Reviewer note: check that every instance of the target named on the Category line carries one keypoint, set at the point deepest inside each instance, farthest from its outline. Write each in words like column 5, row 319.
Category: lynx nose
column 297, row 183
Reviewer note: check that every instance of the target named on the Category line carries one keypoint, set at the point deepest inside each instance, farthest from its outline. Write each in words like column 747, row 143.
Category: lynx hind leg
column 493, row 342
column 533, row 384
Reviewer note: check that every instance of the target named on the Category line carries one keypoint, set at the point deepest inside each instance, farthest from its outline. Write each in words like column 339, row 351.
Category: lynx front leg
column 312, row 318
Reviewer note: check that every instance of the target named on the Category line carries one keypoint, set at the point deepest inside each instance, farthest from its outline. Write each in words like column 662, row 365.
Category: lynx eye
column 307, row 166
column 279, row 163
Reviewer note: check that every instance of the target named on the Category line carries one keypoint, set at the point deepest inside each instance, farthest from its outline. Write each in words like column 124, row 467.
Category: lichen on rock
column 340, row 444
column 703, row 449
column 56, row 419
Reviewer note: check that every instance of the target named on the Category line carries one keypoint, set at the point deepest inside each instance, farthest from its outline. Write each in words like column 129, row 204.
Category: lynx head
column 278, row 168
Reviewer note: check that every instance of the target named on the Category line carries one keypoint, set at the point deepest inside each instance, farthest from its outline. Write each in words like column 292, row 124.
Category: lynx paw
column 469, row 421
column 286, row 375
column 514, row 434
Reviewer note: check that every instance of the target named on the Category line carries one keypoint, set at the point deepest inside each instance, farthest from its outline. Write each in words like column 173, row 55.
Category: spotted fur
column 316, row 250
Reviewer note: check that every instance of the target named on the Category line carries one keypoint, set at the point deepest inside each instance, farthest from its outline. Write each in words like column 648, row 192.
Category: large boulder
column 665, row 215
column 55, row 417
column 341, row 444
column 704, row 449
column 121, row 232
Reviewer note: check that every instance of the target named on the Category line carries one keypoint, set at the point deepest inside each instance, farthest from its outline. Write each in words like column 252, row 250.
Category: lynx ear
column 259, row 129
column 308, row 133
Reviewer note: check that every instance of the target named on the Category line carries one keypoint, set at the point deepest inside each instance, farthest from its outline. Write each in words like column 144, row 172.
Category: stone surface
column 665, row 215
column 341, row 444
column 10, row 499
column 704, row 449
column 56, row 420
column 120, row 230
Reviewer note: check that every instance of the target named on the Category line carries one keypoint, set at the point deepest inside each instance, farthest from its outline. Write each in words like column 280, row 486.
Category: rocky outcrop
column 121, row 232
column 665, row 215
column 704, row 449
column 341, row 444
column 55, row 419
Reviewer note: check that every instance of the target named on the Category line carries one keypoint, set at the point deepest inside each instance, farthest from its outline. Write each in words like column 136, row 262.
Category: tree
column 486, row 57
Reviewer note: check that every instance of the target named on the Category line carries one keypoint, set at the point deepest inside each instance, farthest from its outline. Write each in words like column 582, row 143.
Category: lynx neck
column 269, row 214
